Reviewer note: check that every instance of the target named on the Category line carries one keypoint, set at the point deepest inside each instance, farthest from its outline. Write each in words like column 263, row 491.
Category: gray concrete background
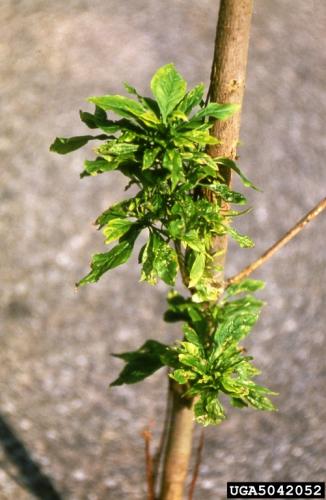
column 55, row 362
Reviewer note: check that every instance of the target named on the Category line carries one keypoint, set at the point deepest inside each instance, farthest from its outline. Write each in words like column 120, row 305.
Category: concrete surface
column 60, row 425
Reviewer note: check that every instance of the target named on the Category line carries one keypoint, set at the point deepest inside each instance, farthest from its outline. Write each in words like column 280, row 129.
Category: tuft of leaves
column 159, row 144
column 211, row 361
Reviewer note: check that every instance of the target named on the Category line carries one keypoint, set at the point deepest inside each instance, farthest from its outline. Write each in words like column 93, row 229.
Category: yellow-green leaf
column 173, row 162
column 149, row 157
column 168, row 88
column 197, row 269
column 116, row 228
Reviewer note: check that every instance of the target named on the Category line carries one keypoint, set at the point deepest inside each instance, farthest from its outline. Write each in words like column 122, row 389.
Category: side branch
column 197, row 465
column 147, row 435
column 279, row 244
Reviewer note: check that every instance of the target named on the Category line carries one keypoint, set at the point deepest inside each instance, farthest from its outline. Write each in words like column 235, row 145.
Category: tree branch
column 279, row 244
column 147, row 435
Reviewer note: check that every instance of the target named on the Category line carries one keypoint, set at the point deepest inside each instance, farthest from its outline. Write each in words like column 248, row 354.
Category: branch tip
column 312, row 214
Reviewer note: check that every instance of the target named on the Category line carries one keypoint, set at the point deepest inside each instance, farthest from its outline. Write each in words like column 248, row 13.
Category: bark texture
column 229, row 69
column 179, row 444
column 227, row 86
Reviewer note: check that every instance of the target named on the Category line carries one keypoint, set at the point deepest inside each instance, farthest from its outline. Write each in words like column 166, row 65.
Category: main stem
column 179, row 444
column 226, row 86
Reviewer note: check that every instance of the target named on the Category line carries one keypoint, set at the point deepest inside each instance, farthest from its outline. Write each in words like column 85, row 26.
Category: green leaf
column 116, row 228
column 103, row 262
column 192, row 239
column 181, row 309
column 126, row 107
column 238, row 403
column 247, row 304
column 149, row 157
column 120, row 105
column 91, row 120
column 217, row 111
column 117, row 150
column 214, row 409
column 226, row 193
column 122, row 148
column 159, row 261
column 246, row 285
column 233, row 166
column 88, row 118
column 198, row 137
column 243, row 240
column 235, row 328
column 178, row 115
column 192, row 124
column 233, row 387
column 118, row 210
column 208, row 410
column 98, row 166
column 182, row 376
column 205, row 167
column 192, row 98
column 193, row 361
column 257, row 400
column 177, row 303
column 130, row 89
column 172, row 161
column 168, row 88
column 181, row 142
column 147, row 257
column 176, row 228
column 197, row 269
column 166, row 263
column 149, row 358
column 99, row 120
column 191, row 348
column 192, row 336
column 64, row 145
column 205, row 292
column 147, row 102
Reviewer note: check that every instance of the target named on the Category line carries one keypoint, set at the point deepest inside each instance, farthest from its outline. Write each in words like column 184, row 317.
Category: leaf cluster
column 209, row 361
column 159, row 144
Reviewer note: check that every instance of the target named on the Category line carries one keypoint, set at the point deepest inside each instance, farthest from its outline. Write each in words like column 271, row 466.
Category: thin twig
column 147, row 435
column 197, row 464
column 279, row 244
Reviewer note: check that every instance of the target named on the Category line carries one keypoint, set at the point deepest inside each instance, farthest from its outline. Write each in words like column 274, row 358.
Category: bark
column 227, row 86
column 179, row 444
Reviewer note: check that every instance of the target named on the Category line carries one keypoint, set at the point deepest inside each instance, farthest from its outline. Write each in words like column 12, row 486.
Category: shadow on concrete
column 28, row 474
